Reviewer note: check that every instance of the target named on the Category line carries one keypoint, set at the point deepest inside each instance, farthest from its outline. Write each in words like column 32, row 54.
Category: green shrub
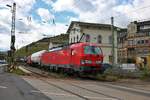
column 145, row 73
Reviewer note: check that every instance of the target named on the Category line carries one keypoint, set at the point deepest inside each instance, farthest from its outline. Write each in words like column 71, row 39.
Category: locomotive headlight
column 82, row 62
column 98, row 62
column 86, row 61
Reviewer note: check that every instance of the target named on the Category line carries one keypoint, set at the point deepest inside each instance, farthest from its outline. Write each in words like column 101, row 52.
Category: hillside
column 42, row 44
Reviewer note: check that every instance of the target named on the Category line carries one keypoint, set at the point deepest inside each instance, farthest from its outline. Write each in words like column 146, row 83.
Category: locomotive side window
column 92, row 50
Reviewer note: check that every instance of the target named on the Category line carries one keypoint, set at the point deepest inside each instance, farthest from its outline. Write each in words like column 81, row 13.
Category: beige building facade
column 94, row 33
column 134, row 44
column 139, row 40
column 122, row 46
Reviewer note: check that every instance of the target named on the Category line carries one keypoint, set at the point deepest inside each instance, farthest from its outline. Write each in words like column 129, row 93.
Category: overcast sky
column 34, row 18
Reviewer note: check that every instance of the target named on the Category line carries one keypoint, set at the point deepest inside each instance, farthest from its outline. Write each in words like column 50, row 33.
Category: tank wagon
column 35, row 58
column 78, row 57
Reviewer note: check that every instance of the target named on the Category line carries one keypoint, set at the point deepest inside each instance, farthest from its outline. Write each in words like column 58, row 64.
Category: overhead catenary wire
column 129, row 12
column 75, row 5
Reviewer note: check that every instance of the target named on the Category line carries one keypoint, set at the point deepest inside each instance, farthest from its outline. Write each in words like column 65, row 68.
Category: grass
column 18, row 72
column 108, row 78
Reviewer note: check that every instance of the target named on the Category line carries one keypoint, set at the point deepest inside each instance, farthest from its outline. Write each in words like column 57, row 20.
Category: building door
column 110, row 59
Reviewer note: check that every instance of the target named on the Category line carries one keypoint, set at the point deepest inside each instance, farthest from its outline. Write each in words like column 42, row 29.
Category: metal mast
column 12, row 45
column 11, row 53
column 113, row 41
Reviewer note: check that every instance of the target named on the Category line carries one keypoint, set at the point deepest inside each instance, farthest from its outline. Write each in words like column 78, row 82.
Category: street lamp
column 12, row 45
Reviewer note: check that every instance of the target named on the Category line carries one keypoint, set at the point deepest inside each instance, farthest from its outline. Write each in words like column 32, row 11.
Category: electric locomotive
column 78, row 57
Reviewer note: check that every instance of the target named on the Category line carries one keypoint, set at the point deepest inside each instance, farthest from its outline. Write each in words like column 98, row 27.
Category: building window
column 146, row 41
column 74, row 39
column 142, row 27
column 142, row 41
column 77, row 38
column 138, row 42
column 71, row 40
column 73, row 30
column 110, row 59
column 148, row 33
column 87, row 39
column 130, row 42
column 110, row 39
column 99, row 39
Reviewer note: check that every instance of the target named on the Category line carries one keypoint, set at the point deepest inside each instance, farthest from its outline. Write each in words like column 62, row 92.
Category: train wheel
column 70, row 71
column 41, row 66
column 46, row 68
column 76, row 74
column 56, row 69
column 50, row 68
column 61, row 70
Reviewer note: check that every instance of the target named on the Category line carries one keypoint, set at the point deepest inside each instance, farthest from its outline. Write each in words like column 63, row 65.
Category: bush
column 145, row 73
column 108, row 75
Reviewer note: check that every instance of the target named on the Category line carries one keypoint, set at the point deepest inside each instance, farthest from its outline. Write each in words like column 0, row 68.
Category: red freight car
column 79, row 57
column 29, row 60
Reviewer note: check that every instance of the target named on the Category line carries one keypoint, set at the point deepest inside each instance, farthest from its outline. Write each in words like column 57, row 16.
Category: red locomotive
column 78, row 57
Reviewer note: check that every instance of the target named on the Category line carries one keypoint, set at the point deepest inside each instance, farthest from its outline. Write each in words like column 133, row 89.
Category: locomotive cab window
column 92, row 50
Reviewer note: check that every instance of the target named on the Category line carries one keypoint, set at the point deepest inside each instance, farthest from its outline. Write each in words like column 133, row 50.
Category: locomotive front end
column 92, row 59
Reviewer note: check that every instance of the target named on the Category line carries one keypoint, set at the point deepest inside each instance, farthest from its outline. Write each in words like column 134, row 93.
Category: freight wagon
column 35, row 58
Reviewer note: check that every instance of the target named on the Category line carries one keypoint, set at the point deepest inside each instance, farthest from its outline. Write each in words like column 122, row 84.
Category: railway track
column 127, row 89
column 37, row 75
column 100, row 93
column 107, row 97
column 71, row 83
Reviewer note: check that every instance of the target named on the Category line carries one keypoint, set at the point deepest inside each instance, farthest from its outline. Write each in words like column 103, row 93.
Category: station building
column 94, row 33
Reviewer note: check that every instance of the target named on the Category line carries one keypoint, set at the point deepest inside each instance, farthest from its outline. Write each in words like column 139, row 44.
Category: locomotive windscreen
column 92, row 50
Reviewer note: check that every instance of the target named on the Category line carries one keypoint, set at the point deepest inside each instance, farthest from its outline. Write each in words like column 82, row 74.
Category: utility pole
column 113, row 41
column 12, row 44
column 13, row 27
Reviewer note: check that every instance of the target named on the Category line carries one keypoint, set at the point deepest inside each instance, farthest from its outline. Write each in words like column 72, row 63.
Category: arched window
column 87, row 39
column 99, row 39
column 74, row 39
column 110, row 39
column 71, row 40
column 77, row 38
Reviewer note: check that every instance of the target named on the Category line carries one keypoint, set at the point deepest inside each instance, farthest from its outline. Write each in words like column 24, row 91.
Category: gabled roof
column 89, row 24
